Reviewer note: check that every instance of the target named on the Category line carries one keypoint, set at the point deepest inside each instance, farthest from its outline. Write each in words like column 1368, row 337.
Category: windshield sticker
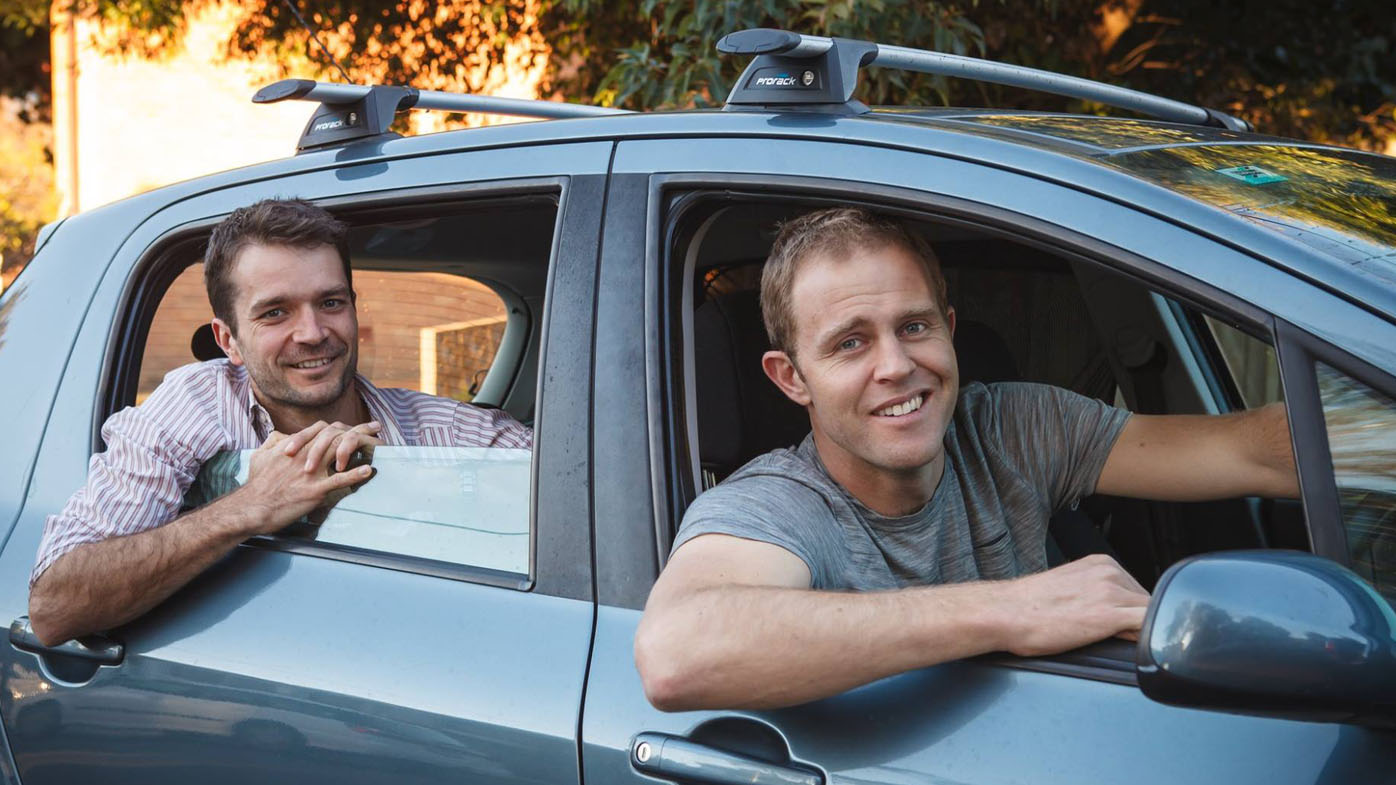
column 1252, row 175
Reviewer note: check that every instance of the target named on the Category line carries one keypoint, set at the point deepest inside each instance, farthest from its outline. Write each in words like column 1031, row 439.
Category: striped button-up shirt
column 155, row 450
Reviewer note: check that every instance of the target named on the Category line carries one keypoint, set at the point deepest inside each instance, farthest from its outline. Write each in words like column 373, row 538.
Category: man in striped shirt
column 279, row 281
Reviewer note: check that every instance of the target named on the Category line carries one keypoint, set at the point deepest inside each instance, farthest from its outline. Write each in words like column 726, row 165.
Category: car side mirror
column 1275, row 633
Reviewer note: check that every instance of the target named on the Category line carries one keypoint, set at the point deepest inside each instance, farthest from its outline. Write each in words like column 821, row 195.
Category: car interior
column 1023, row 314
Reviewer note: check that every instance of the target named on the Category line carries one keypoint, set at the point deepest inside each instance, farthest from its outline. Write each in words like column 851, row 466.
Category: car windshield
column 1340, row 202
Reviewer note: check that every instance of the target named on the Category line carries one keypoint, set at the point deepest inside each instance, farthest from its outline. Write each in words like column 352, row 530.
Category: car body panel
column 972, row 723
column 276, row 662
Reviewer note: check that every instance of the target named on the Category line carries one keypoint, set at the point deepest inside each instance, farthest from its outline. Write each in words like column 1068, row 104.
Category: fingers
column 293, row 444
column 347, row 479
column 323, row 444
column 351, row 443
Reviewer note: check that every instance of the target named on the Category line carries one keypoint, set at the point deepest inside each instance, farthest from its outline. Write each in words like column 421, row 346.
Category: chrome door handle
column 676, row 758
column 93, row 648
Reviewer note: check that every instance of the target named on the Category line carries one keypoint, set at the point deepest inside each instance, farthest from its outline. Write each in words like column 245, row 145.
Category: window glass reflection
column 1361, row 426
column 464, row 505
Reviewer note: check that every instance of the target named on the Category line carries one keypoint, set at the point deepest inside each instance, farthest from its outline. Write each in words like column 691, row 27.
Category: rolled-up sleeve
column 138, row 483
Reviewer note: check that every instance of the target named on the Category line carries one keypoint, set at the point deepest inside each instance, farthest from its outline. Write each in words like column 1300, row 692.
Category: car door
column 1070, row 719
column 296, row 661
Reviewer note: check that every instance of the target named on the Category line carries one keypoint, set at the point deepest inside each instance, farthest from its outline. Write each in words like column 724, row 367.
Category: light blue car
column 469, row 617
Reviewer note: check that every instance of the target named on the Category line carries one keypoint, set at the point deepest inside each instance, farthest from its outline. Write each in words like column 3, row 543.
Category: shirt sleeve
column 775, row 510
column 1057, row 438
column 153, row 453
column 474, row 426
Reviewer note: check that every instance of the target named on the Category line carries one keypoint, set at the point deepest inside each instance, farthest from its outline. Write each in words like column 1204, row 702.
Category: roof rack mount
column 817, row 73
column 350, row 112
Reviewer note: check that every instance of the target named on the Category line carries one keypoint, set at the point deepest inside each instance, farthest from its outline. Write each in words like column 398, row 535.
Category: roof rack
column 819, row 74
column 349, row 112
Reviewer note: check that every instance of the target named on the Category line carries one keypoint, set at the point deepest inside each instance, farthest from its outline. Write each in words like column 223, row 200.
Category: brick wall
column 394, row 309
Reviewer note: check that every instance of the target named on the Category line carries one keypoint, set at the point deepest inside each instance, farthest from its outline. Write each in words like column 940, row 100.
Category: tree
column 1266, row 60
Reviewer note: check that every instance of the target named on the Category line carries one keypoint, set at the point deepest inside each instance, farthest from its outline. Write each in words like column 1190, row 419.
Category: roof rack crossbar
column 979, row 70
column 348, row 112
column 826, row 80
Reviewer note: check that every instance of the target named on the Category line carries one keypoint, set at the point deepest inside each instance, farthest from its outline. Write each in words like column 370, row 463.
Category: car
column 594, row 275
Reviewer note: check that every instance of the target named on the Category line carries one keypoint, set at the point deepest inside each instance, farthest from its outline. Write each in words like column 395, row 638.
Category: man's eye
column 274, row 313
column 916, row 328
column 333, row 302
column 849, row 344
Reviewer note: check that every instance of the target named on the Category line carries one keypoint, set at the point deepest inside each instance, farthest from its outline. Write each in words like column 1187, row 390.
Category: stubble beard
column 272, row 383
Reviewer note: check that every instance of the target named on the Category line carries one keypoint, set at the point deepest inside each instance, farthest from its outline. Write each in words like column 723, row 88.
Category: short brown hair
column 836, row 231
column 291, row 222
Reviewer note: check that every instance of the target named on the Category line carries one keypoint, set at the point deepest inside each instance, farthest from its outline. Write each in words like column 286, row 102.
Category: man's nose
column 892, row 360
column 309, row 328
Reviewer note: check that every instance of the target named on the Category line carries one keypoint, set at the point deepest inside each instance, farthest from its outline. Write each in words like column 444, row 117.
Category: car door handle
column 676, row 758
column 93, row 648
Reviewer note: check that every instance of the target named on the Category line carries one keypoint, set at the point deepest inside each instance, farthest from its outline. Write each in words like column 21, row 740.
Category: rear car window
column 444, row 308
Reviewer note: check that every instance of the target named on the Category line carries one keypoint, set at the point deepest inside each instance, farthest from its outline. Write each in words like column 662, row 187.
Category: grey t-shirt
column 1015, row 453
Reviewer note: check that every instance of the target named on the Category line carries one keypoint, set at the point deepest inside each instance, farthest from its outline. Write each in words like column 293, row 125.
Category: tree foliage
column 1293, row 68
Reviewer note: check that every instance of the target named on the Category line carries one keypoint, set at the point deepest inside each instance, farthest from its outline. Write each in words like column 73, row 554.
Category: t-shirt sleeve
column 1059, row 439
column 775, row 510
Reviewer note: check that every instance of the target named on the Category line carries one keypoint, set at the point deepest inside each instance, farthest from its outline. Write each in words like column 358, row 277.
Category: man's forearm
column 100, row 585
column 761, row 646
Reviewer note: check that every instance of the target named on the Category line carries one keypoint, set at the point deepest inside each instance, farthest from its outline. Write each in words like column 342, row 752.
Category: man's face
column 874, row 364
column 296, row 329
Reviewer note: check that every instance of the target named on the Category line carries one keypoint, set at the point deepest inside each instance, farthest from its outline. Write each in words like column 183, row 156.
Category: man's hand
column 289, row 476
column 1080, row 602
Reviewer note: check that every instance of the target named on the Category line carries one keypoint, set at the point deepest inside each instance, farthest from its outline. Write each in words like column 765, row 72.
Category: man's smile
column 307, row 365
column 903, row 407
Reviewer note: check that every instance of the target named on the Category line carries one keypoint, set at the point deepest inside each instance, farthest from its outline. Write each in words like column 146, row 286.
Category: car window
column 1361, row 425
column 427, row 331
column 1249, row 361
column 444, row 309
column 1023, row 314
column 462, row 505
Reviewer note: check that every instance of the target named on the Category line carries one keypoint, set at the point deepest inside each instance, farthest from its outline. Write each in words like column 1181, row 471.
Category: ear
column 950, row 319
column 781, row 370
column 223, row 334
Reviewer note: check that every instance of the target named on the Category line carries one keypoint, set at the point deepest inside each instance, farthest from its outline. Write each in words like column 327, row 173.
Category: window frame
column 1298, row 351
column 170, row 254
column 671, row 193
column 670, row 374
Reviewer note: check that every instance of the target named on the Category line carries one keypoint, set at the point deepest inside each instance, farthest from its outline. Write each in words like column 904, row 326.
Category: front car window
column 1250, row 361
column 1361, row 425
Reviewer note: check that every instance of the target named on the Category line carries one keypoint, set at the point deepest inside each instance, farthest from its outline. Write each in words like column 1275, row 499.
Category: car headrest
column 203, row 345
column 983, row 354
column 741, row 414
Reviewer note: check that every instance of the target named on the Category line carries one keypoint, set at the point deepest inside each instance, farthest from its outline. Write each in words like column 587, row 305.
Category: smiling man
column 928, row 501
column 281, row 288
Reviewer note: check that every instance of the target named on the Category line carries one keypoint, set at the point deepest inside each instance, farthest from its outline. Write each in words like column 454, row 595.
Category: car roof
column 1132, row 161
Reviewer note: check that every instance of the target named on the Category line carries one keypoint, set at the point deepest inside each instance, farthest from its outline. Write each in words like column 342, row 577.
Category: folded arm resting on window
column 1200, row 457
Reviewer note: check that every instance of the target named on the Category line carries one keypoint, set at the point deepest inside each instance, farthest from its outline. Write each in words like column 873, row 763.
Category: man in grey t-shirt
column 929, row 502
